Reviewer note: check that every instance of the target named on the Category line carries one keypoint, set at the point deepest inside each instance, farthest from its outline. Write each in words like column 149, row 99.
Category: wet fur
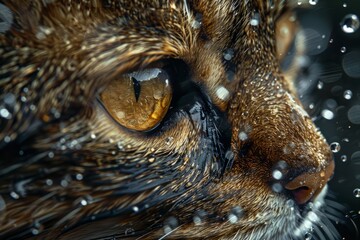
column 64, row 149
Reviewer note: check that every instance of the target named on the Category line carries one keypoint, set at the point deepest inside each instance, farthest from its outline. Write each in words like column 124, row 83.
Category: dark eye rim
column 181, row 82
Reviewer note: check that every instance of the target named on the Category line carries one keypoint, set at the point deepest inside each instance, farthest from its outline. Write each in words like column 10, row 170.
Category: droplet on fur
column 9, row 99
column 335, row 147
column 277, row 187
column 6, row 18
column 14, row 195
column 79, row 176
column 49, row 182
column 235, row 214
column 243, row 136
column 356, row 192
column 350, row 23
column 170, row 224
column 169, row 140
column 255, row 20
column 228, row 54
column 84, row 202
column 4, row 113
column 222, row 93
column 197, row 22
column 199, row 217
column 313, row 217
column 129, row 232
column 277, row 174
column 135, row 209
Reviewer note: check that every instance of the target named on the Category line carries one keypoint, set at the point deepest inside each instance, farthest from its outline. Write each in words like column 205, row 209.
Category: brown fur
column 58, row 56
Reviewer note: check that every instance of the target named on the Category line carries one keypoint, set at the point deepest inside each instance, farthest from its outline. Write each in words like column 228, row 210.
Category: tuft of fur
column 68, row 171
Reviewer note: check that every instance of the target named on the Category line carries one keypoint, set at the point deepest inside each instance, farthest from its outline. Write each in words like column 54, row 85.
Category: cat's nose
column 307, row 186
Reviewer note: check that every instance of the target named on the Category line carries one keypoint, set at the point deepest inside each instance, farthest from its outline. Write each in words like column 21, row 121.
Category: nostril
column 308, row 185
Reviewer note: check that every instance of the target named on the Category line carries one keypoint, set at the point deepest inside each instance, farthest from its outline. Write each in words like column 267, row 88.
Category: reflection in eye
column 139, row 100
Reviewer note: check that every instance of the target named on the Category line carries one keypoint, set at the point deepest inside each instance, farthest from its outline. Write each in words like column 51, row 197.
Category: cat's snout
column 308, row 185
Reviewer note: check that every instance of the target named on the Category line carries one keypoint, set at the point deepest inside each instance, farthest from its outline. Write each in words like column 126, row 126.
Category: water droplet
column 79, row 176
column 235, row 214
column 343, row 158
column 344, row 5
column 308, row 236
column 6, row 18
column 4, row 113
column 277, row 174
column 14, row 195
column 196, row 23
column 129, row 231
column 222, row 93
column 199, row 217
column 320, row 85
column 255, row 20
column 350, row 23
column 343, row 49
column 354, row 114
column 83, row 202
column 228, row 54
column 327, row 114
column 151, row 160
column 313, row 2
column 120, row 146
column 335, row 147
column 49, row 182
column 135, row 209
column 170, row 224
column 229, row 155
column 351, row 63
column 243, row 136
column 9, row 99
column 355, row 158
column 169, row 140
column 277, row 187
column 348, row 94
column 331, row 40
column 356, row 192
column 313, row 217
column 93, row 136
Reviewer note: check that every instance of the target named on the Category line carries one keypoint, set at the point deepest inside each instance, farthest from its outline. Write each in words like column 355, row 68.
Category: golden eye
column 139, row 100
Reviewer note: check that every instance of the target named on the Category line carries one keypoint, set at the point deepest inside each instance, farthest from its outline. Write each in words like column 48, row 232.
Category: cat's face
column 153, row 118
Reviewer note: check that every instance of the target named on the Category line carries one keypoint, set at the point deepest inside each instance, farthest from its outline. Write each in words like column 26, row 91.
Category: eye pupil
column 137, row 88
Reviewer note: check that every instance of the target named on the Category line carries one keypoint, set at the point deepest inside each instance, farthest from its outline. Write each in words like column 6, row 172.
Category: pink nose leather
column 307, row 186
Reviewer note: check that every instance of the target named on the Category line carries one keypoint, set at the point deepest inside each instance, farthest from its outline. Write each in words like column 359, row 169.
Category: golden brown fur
column 67, row 170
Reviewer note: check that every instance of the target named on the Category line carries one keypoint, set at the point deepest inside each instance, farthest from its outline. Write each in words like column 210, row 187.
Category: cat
column 155, row 119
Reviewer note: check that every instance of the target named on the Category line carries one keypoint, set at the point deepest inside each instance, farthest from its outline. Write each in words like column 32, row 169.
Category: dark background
column 322, row 89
